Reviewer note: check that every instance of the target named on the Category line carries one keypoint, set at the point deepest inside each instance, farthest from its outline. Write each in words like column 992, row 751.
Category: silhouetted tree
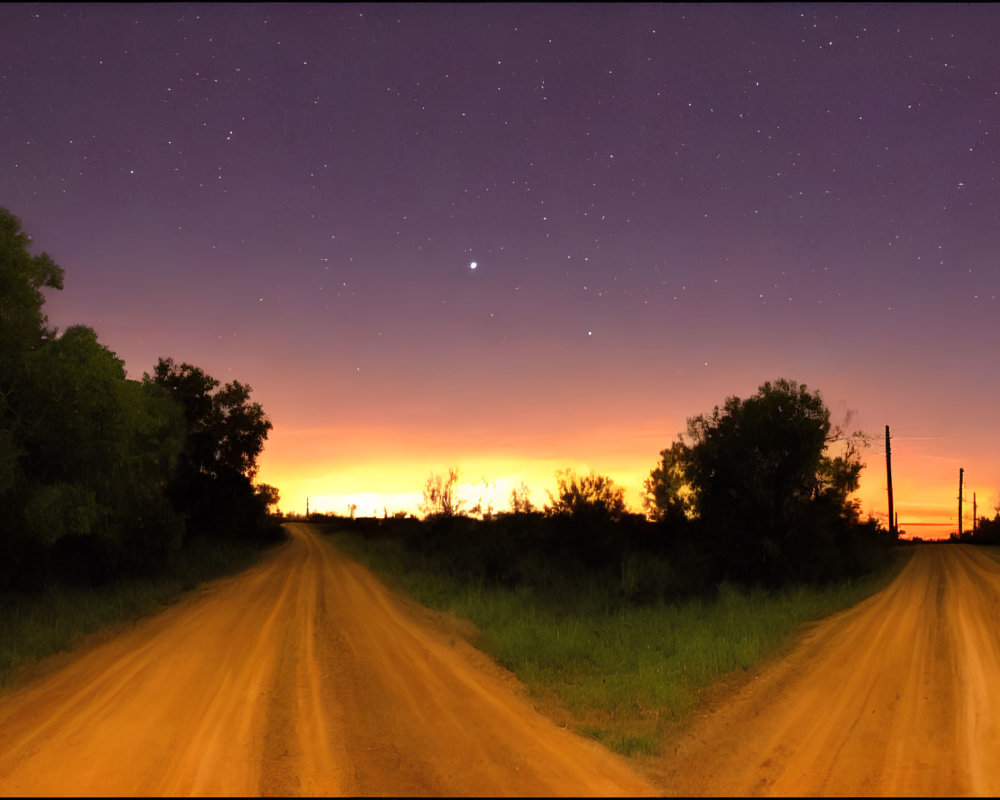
column 520, row 500
column 23, row 329
column 591, row 495
column 225, row 433
column 267, row 494
column 23, row 325
column 987, row 530
column 441, row 497
column 763, row 485
column 668, row 496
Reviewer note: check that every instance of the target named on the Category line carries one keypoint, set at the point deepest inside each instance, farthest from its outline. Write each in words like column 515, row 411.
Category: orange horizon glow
column 383, row 471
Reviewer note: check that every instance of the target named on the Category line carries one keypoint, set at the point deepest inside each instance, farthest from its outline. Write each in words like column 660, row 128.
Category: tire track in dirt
column 896, row 696
column 303, row 675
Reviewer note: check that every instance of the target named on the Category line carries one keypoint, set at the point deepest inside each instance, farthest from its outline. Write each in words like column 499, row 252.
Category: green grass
column 33, row 626
column 626, row 676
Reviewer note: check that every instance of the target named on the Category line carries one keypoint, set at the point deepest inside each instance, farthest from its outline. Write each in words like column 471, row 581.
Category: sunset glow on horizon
column 926, row 507
column 519, row 238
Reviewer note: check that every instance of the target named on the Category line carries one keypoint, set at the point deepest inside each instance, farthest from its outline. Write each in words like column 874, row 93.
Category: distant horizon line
column 937, row 524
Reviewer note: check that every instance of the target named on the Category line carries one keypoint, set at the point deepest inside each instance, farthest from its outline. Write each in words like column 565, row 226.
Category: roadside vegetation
column 113, row 492
column 57, row 618
column 623, row 672
column 619, row 622
column 985, row 532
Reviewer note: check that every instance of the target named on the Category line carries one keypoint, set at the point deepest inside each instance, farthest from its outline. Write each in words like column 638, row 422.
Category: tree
column 668, row 496
column 839, row 475
column 591, row 495
column 97, row 447
column 225, row 434
column 226, row 431
column 72, row 384
column 520, row 499
column 769, row 495
column 85, row 453
column 441, row 497
column 88, row 457
column 23, row 329
column 267, row 494
column 23, row 326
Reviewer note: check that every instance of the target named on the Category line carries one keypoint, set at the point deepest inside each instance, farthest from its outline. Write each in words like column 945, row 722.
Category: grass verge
column 626, row 676
column 33, row 626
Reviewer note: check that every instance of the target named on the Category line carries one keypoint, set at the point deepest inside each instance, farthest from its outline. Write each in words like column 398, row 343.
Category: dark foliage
column 770, row 499
column 759, row 494
column 554, row 554
column 987, row 531
column 101, row 475
column 212, row 486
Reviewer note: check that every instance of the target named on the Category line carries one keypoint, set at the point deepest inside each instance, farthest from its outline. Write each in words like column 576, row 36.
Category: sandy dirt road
column 303, row 675
column 898, row 696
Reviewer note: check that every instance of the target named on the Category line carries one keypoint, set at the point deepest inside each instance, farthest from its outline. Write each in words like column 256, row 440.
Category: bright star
column 473, row 265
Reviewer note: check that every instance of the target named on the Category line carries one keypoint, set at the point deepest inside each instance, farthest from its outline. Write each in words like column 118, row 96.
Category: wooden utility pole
column 961, row 475
column 888, row 480
column 974, row 512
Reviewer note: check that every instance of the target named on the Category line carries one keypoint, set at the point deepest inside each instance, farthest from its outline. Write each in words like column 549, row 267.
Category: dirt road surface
column 303, row 675
column 898, row 696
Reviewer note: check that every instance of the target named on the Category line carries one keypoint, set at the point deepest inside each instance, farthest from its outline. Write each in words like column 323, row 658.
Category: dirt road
column 306, row 676
column 302, row 676
column 897, row 696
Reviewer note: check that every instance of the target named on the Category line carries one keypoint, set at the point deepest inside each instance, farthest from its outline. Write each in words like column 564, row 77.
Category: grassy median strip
column 36, row 625
column 625, row 675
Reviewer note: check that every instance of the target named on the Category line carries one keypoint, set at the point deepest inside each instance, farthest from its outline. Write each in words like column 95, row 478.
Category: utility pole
column 961, row 475
column 307, row 508
column 974, row 512
column 888, row 479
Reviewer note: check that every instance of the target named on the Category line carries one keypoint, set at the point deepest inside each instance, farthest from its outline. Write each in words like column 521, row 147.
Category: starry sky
column 515, row 238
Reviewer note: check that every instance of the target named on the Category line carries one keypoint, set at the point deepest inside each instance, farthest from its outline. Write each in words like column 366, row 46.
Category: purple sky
column 666, row 205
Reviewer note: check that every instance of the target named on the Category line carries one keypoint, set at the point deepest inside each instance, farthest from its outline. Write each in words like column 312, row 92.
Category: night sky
column 517, row 238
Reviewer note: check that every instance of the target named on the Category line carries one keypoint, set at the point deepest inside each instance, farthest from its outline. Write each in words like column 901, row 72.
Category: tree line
column 756, row 492
column 101, row 475
column 985, row 531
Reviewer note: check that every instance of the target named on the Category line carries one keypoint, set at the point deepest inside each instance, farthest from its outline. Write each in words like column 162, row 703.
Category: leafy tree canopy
column 22, row 278
column 100, row 474
column 226, row 430
column 758, row 458
column 668, row 496
column 213, row 483
column 761, row 476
